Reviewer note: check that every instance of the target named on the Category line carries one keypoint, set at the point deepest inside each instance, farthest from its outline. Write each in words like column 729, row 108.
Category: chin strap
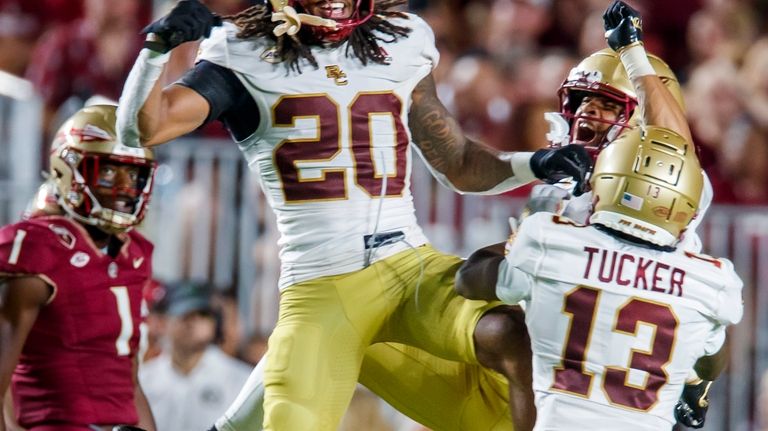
column 292, row 20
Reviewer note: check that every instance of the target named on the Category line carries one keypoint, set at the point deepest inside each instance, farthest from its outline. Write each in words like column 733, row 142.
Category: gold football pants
column 327, row 327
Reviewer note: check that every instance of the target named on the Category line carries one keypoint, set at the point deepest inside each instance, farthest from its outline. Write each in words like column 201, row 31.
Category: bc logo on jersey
column 334, row 72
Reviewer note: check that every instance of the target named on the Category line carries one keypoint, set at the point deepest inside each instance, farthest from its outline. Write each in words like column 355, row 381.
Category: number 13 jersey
column 331, row 141
column 615, row 328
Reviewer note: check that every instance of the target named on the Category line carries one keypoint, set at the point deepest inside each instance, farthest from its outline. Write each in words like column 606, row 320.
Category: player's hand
column 623, row 26
column 555, row 164
column 189, row 20
column 692, row 406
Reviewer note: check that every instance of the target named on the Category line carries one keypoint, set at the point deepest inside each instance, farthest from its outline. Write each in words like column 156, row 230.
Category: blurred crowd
column 502, row 62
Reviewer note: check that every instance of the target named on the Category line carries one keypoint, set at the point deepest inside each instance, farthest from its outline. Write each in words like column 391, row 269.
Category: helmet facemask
column 594, row 132
column 101, row 201
column 602, row 74
column 324, row 29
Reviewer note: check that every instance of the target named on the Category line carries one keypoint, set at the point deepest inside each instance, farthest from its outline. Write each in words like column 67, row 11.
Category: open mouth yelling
column 584, row 132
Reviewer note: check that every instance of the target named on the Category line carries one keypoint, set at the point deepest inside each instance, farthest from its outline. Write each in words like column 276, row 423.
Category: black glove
column 126, row 428
column 553, row 165
column 692, row 406
column 189, row 20
column 623, row 25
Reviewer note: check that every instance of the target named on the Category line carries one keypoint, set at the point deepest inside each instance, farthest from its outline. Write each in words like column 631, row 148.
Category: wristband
column 635, row 61
column 521, row 166
column 693, row 378
column 145, row 72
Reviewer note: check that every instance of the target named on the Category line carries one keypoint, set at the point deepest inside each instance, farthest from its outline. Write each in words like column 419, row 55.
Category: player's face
column 333, row 9
column 594, row 117
column 192, row 331
column 117, row 186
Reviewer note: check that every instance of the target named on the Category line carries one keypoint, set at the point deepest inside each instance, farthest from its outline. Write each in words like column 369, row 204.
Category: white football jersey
column 615, row 328
column 330, row 142
column 560, row 199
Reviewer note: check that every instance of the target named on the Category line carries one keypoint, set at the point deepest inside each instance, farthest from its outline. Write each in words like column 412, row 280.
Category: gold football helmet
column 82, row 147
column 602, row 74
column 647, row 184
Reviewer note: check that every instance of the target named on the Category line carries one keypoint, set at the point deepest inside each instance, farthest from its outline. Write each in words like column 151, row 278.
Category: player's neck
column 106, row 242
column 632, row 240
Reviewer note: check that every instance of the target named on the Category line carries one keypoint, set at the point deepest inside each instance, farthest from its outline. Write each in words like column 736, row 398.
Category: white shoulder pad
column 421, row 35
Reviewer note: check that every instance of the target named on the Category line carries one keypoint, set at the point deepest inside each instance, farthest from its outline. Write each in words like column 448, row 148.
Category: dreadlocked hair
column 363, row 43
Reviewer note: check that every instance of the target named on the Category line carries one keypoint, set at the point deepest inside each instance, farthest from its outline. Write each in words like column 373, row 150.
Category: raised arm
column 624, row 33
column 21, row 301
column 469, row 166
column 149, row 114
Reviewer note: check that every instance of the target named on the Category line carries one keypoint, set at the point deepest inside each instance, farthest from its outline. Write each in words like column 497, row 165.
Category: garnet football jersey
column 615, row 328
column 76, row 364
column 332, row 150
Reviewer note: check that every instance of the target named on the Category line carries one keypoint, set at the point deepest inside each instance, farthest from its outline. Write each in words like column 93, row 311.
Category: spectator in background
column 18, row 32
column 87, row 57
column 192, row 381
column 154, row 330
column 22, row 22
column 253, row 347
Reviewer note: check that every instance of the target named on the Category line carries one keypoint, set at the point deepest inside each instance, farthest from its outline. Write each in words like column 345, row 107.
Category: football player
column 324, row 98
column 617, row 314
column 72, row 275
column 606, row 93
column 612, row 90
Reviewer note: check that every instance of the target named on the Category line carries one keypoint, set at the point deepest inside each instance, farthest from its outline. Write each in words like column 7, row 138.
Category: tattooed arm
column 457, row 161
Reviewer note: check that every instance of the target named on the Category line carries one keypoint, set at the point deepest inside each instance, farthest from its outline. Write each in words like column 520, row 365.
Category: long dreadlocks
column 363, row 41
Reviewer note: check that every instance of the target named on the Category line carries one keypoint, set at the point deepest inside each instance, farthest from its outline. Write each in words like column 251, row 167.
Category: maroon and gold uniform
column 76, row 365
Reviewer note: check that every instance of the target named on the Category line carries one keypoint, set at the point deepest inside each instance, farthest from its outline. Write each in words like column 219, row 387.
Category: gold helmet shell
column 603, row 74
column 647, row 184
column 82, row 143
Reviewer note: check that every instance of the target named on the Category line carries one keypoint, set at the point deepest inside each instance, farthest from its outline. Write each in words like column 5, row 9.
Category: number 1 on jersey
column 126, row 321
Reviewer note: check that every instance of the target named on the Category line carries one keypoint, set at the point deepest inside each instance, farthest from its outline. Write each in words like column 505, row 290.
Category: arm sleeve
column 714, row 340
column 513, row 285
column 730, row 303
column 227, row 97
column 516, row 278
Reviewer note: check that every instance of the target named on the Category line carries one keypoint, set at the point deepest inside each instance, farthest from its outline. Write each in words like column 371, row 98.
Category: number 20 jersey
column 76, row 367
column 331, row 140
column 615, row 328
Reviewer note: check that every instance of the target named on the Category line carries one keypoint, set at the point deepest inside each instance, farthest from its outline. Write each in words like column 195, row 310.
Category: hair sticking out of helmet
column 647, row 184
column 602, row 76
column 98, row 180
